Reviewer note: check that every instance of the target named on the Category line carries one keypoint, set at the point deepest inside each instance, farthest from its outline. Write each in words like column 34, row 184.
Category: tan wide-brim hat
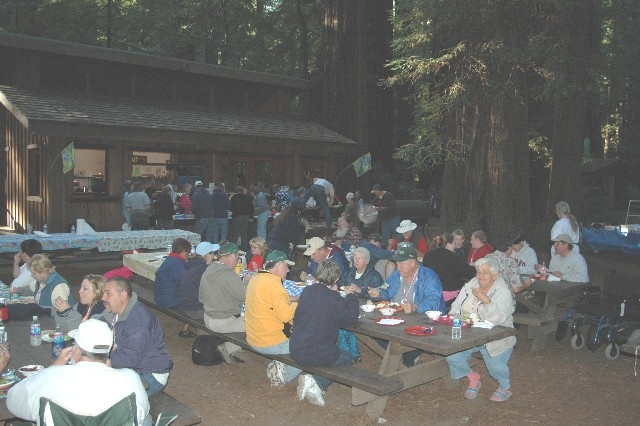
column 406, row 226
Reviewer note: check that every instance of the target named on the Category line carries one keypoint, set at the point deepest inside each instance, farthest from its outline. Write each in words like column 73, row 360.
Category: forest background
column 494, row 105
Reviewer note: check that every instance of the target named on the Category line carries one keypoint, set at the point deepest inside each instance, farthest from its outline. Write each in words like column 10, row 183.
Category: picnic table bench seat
column 164, row 403
column 538, row 327
column 365, row 380
column 532, row 319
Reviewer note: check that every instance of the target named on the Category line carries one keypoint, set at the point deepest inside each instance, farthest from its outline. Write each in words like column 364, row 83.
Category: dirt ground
column 556, row 386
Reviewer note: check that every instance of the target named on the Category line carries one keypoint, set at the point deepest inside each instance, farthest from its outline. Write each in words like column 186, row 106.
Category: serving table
column 103, row 241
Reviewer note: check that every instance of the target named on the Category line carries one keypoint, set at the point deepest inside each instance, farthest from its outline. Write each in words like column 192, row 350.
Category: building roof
column 38, row 44
column 39, row 111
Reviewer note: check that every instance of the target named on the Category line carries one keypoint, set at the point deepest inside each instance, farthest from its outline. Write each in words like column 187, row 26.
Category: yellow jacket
column 267, row 308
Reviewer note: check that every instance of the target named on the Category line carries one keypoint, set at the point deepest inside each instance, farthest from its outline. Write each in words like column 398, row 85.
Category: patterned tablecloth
column 292, row 288
column 104, row 241
column 11, row 243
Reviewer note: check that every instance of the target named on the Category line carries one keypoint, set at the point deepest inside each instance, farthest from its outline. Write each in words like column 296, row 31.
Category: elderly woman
column 566, row 224
column 361, row 277
column 49, row 285
column 69, row 317
column 488, row 297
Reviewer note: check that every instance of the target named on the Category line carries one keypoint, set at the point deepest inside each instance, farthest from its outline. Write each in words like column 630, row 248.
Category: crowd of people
column 402, row 265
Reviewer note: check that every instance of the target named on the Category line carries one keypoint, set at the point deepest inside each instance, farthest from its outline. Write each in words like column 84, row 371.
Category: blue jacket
column 166, row 289
column 52, row 282
column 338, row 256
column 190, row 284
column 376, row 252
column 220, row 203
column 201, row 205
column 370, row 279
column 321, row 312
column 428, row 290
column 139, row 340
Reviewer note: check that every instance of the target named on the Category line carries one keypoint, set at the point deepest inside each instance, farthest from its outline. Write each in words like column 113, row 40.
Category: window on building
column 34, row 170
column 89, row 174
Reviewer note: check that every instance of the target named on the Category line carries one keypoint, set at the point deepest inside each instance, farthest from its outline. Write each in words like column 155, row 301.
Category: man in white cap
column 319, row 251
column 88, row 386
column 567, row 264
column 408, row 233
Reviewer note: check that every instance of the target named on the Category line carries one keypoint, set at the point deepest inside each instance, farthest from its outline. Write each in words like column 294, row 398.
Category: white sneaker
column 314, row 394
column 275, row 373
column 305, row 381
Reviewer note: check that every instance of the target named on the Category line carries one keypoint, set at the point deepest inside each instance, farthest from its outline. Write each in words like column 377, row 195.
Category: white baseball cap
column 93, row 336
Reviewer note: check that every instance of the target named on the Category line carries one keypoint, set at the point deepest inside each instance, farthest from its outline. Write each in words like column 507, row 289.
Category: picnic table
column 22, row 353
column 542, row 319
column 103, row 241
column 392, row 376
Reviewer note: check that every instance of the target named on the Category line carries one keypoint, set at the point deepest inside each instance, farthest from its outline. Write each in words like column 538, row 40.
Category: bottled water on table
column 57, row 343
column 29, row 229
column 3, row 334
column 45, row 229
column 456, row 327
column 36, row 336
column 73, row 229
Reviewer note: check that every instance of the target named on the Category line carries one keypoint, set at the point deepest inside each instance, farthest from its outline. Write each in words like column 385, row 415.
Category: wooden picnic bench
column 364, row 380
column 537, row 328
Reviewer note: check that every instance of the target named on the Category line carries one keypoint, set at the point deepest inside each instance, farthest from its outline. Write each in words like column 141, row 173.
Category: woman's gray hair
column 328, row 272
column 493, row 266
column 364, row 252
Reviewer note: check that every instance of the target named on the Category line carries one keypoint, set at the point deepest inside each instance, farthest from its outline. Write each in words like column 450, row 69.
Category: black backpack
column 205, row 350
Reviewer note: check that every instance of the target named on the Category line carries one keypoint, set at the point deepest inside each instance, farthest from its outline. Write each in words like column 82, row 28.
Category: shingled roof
column 36, row 110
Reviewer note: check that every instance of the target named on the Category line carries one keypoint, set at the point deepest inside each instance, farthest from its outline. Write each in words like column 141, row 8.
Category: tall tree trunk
column 304, row 40
column 570, row 111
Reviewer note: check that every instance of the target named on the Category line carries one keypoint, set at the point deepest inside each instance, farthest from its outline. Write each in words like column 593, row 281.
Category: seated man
column 88, row 386
column 567, row 264
column 222, row 294
column 346, row 235
column 320, row 314
column 166, row 290
column 21, row 274
column 268, row 308
column 321, row 251
column 415, row 287
column 138, row 337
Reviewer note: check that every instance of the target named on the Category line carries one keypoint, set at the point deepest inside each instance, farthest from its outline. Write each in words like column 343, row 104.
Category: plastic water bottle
column 73, row 229
column 3, row 334
column 45, row 229
column 309, row 280
column 57, row 343
column 29, row 228
column 456, row 327
column 36, row 337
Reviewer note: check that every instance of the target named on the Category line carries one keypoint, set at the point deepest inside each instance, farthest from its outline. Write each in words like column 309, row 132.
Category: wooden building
column 132, row 115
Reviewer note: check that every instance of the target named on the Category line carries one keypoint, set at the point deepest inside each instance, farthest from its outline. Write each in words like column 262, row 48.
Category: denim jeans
column 263, row 218
column 318, row 194
column 220, row 227
column 497, row 366
column 204, row 227
column 343, row 358
column 154, row 385
column 389, row 228
column 290, row 372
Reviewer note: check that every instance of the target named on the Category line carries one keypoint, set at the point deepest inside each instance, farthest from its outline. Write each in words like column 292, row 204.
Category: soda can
column 57, row 344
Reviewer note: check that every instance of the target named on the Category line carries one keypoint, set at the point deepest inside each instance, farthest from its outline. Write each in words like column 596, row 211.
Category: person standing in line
column 184, row 201
column 126, row 214
column 165, row 208
column 260, row 210
column 202, row 209
column 385, row 203
column 139, row 206
column 221, row 207
column 241, row 216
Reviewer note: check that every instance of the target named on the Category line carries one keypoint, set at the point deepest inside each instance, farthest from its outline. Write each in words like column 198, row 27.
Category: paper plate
column 6, row 381
column 47, row 336
column 420, row 330
column 389, row 321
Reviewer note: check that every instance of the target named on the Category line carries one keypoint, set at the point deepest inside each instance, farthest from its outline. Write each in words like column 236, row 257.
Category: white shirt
column 87, row 388
column 526, row 259
column 563, row 226
column 24, row 279
column 573, row 267
column 328, row 188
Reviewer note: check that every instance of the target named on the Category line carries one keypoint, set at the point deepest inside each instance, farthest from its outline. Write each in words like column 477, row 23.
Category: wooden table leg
column 390, row 363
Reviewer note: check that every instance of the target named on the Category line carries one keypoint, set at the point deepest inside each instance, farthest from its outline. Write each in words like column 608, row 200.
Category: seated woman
column 508, row 266
column 488, row 297
column 361, row 276
column 259, row 250
column 320, row 314
column 523, row 254
column 451, row 268
column 49, row 285
column 409, row 234
column 69, row 317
